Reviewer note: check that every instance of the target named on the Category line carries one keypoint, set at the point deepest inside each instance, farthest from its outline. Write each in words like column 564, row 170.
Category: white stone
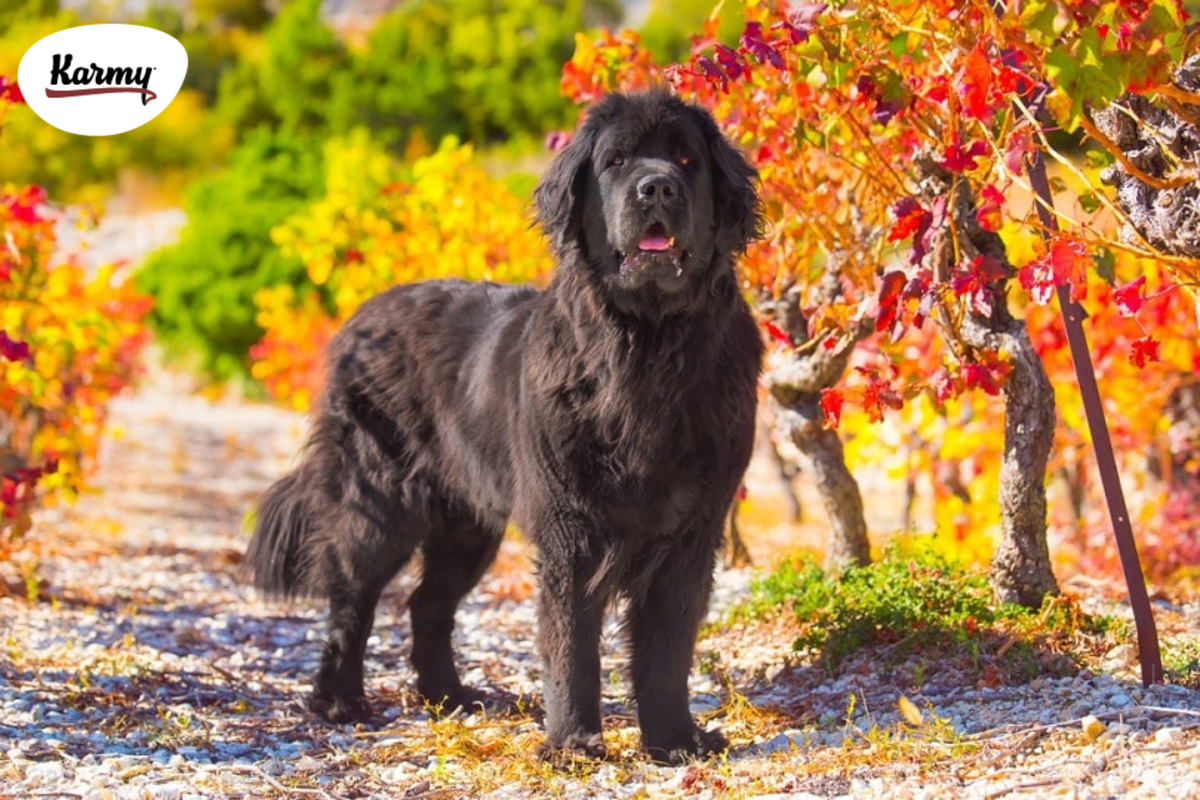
column 1168, row 736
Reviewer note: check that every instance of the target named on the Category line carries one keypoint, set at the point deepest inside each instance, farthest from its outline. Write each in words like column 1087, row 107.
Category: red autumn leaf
column 890, row 289
column 1070, row 261
column 943, row 385
column 1011, row 77
column 730, row 61
column 24, row 204
column 910, row 215
column 988, row 269
column 923, row 240
column 1037, row 281
column 876, row 395
column 977, row 376
column 1144, row 351
column 1020, row 146
column 712, row 73
column 10, row 92
column 1125, row 36
column 753, row 42
column 801, row 20
column 831, row 404
column 804, row 14
column 988, row 215
column 13, row 350
column 1066, row 261
column 962, row 159
column 776, row 333
column 973, row 282
column 975, row 84
column 1129, row 298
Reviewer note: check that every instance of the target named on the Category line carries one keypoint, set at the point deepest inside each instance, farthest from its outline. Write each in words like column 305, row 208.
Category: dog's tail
column 280, row 554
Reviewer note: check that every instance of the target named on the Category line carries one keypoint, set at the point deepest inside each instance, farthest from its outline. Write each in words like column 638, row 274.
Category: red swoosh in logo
column 149, row 95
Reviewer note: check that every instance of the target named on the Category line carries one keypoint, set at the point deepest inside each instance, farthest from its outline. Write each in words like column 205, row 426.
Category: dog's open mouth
column 656, row 240
column 656, row 252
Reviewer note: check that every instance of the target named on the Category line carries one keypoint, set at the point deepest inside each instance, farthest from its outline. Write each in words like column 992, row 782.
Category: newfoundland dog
column 610, row 416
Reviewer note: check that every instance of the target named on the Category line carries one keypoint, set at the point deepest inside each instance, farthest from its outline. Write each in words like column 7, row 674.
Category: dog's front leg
column 663, row 623
column 569, row 619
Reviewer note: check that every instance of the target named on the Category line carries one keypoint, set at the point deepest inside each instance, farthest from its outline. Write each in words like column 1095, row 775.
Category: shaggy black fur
column 610, row 416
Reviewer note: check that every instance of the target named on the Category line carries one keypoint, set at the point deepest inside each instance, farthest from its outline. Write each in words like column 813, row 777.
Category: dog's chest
column 652, row 466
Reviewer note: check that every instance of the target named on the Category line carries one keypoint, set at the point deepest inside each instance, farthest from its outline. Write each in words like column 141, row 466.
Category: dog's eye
column 616, row 160
column 684, row 160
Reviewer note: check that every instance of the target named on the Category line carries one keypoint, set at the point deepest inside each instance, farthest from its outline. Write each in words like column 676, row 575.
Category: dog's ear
column 738, row 209
column 559, row 194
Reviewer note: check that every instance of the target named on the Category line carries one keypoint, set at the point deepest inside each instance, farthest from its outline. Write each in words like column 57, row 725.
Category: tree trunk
column 1163, row 144
column 787, row 471
column 795, row 401
column 1021, row 571
column 802, row 421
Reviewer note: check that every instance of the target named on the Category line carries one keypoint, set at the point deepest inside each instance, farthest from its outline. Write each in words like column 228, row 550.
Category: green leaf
column 1096, row 158
column 837, row 73
column 1062, row 73
column 899, row 46
column 1106, row 264
column 1083, row 78
column 1101, row 80
column 1089, row 202
column 1045, row 20
column 1161, row 19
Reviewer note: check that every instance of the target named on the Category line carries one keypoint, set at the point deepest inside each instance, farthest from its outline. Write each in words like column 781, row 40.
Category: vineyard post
column 1073, row 315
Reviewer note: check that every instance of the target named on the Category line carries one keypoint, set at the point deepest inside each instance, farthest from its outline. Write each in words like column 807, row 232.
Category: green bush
column 919, row 599
column 299, row 81
column 914, row 599
column 481, row 70
column 204, row 286
column 484, row 70
column 665, row 31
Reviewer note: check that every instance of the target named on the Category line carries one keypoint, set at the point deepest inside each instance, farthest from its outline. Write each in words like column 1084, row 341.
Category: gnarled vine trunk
column 1021, row 570
column 1162, row 143
column 794, row 390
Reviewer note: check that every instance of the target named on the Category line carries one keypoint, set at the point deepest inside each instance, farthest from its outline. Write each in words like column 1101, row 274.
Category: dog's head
column 653, row 198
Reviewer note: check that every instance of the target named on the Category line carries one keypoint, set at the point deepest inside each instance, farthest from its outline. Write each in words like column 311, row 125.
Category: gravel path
column 146, row 668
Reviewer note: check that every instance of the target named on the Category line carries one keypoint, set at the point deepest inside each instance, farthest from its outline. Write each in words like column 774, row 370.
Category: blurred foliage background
column 242, row 148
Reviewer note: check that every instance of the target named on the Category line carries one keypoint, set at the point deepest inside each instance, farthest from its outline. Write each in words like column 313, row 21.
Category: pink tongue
column 655, row 243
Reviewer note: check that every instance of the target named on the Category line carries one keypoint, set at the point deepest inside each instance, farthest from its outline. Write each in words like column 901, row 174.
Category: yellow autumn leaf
column 910, row 712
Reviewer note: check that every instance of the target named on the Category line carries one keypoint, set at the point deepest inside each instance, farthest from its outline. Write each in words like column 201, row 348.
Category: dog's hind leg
column 455, row 556
column 374, row 541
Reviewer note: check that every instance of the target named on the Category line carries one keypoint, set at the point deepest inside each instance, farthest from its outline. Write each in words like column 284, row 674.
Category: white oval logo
column 98, row 80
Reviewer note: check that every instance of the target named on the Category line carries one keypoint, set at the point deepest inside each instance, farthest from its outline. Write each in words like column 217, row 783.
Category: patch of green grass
column 1181, row 660
column 911, row 599
column 905, row 597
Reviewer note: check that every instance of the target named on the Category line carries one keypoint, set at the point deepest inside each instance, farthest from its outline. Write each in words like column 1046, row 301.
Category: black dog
column 610, row 416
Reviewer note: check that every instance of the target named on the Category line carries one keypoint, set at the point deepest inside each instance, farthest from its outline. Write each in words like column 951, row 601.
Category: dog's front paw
column 579, row 744
column 693, row 744
column 339, row 710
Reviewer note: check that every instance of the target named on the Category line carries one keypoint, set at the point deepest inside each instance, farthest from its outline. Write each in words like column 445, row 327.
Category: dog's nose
column 656, row 189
